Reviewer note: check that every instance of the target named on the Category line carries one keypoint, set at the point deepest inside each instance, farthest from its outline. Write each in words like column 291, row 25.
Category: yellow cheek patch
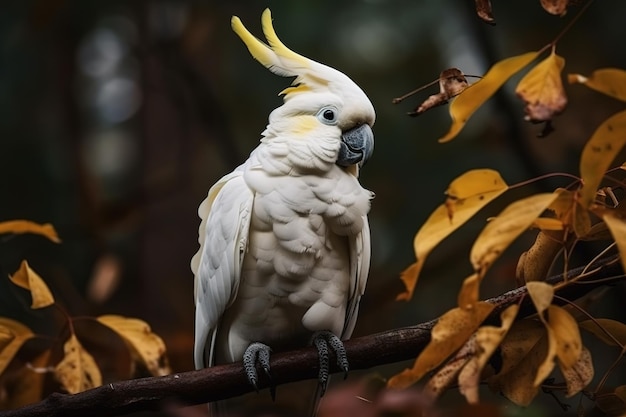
column 303, row 125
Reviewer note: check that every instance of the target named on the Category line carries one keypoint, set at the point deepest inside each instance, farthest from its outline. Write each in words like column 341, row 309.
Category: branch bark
column 226, row 381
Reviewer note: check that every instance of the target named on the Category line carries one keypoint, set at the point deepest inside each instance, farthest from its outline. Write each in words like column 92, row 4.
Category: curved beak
column 357, row 145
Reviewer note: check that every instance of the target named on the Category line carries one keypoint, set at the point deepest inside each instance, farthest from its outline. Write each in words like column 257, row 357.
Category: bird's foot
column 323, row 340
column 258, row 353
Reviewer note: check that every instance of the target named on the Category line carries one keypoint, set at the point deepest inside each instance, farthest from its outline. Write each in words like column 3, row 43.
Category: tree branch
column 226, row 381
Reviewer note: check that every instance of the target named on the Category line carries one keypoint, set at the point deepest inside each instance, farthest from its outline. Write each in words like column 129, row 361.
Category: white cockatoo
column 284, row 239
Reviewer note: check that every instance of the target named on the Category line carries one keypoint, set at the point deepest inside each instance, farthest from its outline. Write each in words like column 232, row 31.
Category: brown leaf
column 483, row 10
column 447, row 374
column 612, row 403
column 467, row 194
column 28, row 279
column 555, row 7
column 535, row 263
column 26, row 226
column 542, row 90
column 568, row 342
column 567, row 209
column 451, row 83
column 616, row 222
column 611, row 332
column 579, row 375
column 144, row 345
column 450, row 333
column 13, row 334
column 78, row 370
column 27, row 388
column 605, row 143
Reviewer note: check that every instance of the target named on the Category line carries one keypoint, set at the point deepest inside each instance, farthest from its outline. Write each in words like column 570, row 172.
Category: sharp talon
column 257, row 353
column 322, row 341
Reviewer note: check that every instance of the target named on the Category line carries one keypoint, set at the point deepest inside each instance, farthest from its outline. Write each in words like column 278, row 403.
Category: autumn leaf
column 555, row 7
column 447, row 374
column 542, row 89
column 467, row 194
column 483, row 10
column 535, row 263
column 541, row 294
column 579, row 375
column 488, row 339
column 27, row 387
column 468, row 296
column 450, row 333
column 611, row 332
column 28, row 279
column 473, row 97
column 144, row 345
column 612, row 403
column 616, row 222
column 567, row 335
column 501, row 231
column 13, row 334
column 605, row 143
column 26, row 226
column 451, row 83
column 522, row 350
column 78, row 371
column 609, row 81
column 568, row 209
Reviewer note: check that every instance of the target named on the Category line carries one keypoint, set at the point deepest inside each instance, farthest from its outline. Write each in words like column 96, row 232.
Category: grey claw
column 322, row 341
column 257, row 353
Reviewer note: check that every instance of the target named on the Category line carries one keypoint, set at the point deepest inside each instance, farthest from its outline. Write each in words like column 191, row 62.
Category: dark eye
column 328, row 115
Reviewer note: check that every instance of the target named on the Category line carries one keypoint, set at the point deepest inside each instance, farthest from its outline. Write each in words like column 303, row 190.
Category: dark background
column 116, row 117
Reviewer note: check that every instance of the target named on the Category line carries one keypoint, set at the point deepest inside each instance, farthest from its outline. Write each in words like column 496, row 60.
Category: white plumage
column 284, row 239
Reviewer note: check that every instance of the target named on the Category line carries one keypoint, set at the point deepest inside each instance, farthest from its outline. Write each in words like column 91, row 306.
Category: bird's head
column 320, row 100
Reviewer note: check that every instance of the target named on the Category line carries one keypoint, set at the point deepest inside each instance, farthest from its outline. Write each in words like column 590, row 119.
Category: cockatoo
column 284, row 238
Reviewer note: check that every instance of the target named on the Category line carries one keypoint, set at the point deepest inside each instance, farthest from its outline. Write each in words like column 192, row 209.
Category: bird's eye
column 328, row 115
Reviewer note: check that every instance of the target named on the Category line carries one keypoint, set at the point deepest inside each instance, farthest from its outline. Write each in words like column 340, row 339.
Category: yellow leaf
column 467, row 194
column 612, row 403
column 567, row 335
column 450, row 333
column 488, row 339
column 144, row 345
column 547, row 223
column 609, row 81
column 13, row 334
column 26, row 226
column 468, row 296
column 600, row 327
column 616, row 222
column 605, row 143
column 28, row 279
column 501, row 231
column 78, row 370
column 542, row 89
column 571, row 213
column 545, row 368
column 28, row 385
column 579, row 375
column 446, row 375
column 474, row 96
column 541, row 293
column 534, row 264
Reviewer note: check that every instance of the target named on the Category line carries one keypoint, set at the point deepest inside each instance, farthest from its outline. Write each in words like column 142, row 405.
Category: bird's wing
column 360, row 252
column 223, row 238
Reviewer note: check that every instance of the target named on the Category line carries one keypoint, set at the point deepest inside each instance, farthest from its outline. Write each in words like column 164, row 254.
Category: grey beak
column 357, row 145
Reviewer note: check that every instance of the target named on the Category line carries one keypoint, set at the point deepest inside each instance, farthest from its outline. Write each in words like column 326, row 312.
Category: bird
column 284, row 238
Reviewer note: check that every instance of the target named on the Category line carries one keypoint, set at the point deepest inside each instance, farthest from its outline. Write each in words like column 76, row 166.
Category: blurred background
column 116, row 117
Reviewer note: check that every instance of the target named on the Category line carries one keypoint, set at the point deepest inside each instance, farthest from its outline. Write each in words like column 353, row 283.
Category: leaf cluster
column 77, row 370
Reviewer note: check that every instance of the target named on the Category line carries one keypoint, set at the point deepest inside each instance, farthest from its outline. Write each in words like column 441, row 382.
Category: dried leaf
column 473, row 97
column 571, row 213
column 27, row 387
column 28, row 279
column 13, row 334
column 26, row 226
column 616, row 222
column 605, row 143
column 555, row 7
column 535, row 263
column 579, row 375
column 468, row 296
column 78, row 371
column 444, row 377
column 467, row 194
column 501, row 231
column 483, row 10
column 541, row 294
column 451, row 83
column 450, row 333
column 609, row 81
column 144, row 345
column 567, row 335
column 488, row 339
column 600, row 327
column 523, row 350
column 548, row 224
column 542, row 90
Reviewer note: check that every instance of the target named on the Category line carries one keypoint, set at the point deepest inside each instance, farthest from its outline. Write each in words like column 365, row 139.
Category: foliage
column 590, row 208
column 77, row 370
